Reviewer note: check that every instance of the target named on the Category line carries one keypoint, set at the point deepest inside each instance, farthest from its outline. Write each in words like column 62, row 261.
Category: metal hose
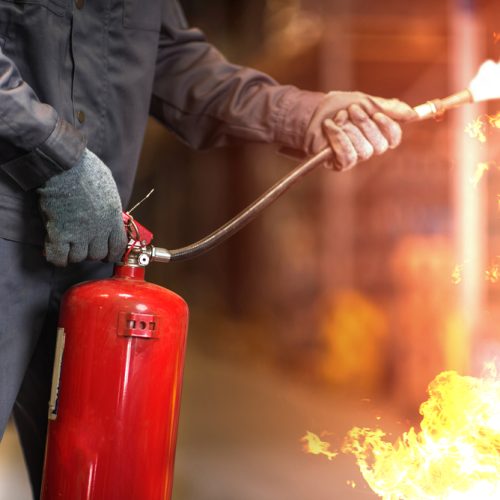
column 247, row 215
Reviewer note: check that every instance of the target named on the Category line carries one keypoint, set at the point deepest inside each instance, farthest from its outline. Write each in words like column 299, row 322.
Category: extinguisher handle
column 136, row 232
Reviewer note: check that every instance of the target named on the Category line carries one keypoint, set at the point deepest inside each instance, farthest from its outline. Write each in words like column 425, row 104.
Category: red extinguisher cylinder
column 116, row 391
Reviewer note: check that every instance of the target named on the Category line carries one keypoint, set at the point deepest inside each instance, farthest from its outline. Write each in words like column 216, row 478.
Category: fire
column 456, row 453
column 456, row 275
column 494, row 120
column 315, row 446
column 481, row 169
column 476, row 129
column 496, row 37
column 493, row 273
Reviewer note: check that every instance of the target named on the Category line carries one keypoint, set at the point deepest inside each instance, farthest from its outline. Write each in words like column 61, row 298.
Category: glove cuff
column 297, row 109
column 63, row 149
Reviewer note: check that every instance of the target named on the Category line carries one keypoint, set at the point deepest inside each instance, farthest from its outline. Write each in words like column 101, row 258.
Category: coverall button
column 79, row 4
column 81, row 116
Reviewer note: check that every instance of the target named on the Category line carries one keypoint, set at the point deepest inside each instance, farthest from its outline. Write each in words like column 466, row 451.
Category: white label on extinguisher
column 56, row 374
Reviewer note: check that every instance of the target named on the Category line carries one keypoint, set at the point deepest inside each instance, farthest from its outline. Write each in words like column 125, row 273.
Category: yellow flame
column 475, row 129
column 456, row 275
column 493, row 273
column 315, row 446
column 454, row 456
column 481, row 169
column 494, row 120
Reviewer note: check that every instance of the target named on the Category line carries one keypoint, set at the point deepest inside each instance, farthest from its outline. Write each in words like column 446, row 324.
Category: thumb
column 117, row 243
column 395, row 109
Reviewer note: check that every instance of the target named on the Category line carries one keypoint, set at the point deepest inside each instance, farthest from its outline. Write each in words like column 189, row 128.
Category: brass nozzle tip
column 437, row 107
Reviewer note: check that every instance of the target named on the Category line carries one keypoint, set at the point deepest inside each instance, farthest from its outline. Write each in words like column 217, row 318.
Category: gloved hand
column 82, row 212
column 356, row 126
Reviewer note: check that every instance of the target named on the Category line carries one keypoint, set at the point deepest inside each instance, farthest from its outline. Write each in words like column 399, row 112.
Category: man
column 77, row 80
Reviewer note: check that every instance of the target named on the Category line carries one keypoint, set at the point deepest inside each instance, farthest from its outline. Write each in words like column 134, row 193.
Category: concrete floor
column 13, row 476
column 240, row 431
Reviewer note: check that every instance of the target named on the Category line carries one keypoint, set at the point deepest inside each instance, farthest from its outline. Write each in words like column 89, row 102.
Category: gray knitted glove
column 82, row 212
column 356, row 126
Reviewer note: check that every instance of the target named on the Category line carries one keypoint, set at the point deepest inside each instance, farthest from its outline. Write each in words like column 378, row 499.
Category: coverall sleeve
column 207, row 101
column 50, row 144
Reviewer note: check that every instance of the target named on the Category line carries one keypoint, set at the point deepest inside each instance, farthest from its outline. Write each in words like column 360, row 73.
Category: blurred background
column 346, row 298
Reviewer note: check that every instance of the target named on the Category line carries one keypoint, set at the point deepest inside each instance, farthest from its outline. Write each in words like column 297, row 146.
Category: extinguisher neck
column 129, row 272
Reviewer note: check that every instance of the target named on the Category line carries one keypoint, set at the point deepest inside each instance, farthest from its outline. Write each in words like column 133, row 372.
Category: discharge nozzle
column 485, row 86
column 437, row 107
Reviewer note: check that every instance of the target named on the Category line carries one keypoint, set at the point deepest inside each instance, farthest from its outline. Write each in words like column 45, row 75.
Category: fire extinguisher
column 116, row 388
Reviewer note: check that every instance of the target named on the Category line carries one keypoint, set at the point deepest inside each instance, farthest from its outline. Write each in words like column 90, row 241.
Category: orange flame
column 315, row 446
column 496, row 37
column 454, row 456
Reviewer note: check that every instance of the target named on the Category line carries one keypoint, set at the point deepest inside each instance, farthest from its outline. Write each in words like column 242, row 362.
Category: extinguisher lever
column 136, row 232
